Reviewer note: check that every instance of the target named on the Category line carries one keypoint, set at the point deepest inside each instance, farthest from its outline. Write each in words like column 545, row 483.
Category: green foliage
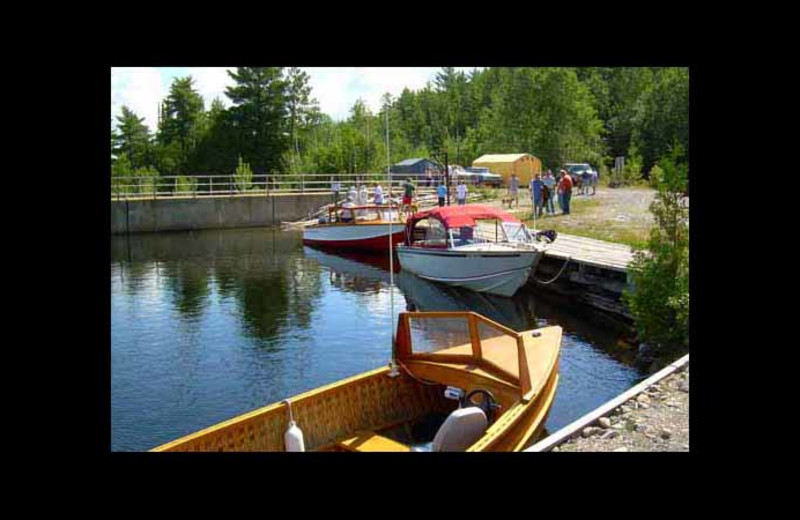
column 587, row 114
column 131, row 139
column 259, row 116
column 146, row 180
column 656, row 176
column 631, row 173
column 185, row 185
column 243, row 178
column 662, row 116
column 182, row 126
column 121, row 173
column 659, row 301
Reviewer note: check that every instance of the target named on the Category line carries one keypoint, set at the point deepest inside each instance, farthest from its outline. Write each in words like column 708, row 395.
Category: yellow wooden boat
column 460, row 382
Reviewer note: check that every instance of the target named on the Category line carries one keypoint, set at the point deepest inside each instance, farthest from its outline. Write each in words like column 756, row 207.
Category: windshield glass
column 490, row 231
column 517, row 232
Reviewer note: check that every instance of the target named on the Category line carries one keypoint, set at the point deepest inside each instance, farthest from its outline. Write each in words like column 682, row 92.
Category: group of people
column 357, row 197
column 545, row 189
column 587, row 180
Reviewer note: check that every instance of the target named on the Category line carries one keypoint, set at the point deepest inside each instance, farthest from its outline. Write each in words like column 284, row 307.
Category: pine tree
column 132, row 139
column 259, row 116
column 181, row 126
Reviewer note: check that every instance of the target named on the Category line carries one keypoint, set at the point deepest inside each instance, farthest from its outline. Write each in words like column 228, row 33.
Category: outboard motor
column 549, row 234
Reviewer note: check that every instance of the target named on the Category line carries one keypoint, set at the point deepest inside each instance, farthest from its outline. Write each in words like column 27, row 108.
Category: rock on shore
column 657, row 419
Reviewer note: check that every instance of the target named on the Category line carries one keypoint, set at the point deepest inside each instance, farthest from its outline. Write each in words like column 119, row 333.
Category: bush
column 146, row 181
column 185, row 185
column 632, row 172
column 243, row 178
column 656, row 176
column 659, row 300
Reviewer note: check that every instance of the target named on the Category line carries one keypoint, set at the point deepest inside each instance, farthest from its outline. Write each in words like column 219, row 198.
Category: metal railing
column 193, row 186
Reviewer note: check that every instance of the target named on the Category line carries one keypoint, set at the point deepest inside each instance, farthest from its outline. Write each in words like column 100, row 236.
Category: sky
column 336, row 88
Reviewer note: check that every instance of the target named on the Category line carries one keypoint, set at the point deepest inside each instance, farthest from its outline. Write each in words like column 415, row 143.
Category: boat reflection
column 363, row 272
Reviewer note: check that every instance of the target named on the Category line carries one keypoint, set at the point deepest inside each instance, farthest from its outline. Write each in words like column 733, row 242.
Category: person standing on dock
column 550, row 182
column 513, row 190
column 462, row 193
column 441, row 191
column 565, row 187
column 336, row 187
column 363, row 198
column 536, row 194
column 586, row 180
column 377, row 199
column 408, row 194
column 352, row 194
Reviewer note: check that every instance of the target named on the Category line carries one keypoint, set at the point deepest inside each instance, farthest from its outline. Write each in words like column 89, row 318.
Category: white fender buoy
column 293, row 438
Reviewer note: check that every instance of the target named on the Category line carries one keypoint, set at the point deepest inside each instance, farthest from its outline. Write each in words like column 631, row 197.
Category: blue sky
column 336, row 88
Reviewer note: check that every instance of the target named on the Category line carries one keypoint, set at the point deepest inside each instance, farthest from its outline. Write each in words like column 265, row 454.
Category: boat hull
column 494, row 272
column 354, row 236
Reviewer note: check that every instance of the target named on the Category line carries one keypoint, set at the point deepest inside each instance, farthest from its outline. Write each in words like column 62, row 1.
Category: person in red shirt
column 565, row 191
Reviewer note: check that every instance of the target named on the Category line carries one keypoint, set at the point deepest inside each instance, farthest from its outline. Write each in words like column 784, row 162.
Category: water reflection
column 261, row 273
column 207, row 325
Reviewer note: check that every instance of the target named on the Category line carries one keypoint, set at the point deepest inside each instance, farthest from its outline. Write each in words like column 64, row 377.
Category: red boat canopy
column 460, row 216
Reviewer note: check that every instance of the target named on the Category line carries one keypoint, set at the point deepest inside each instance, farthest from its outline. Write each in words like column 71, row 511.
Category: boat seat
column 371, row 441
column 460, row 430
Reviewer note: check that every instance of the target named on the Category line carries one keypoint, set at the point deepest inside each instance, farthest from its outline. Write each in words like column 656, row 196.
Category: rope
column 556, row 277
column 431, row 383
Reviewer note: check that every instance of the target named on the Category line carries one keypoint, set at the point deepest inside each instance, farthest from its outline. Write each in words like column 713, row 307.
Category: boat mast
column 393, row 372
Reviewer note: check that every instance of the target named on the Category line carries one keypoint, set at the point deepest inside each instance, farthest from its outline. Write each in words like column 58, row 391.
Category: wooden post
column 475, row 337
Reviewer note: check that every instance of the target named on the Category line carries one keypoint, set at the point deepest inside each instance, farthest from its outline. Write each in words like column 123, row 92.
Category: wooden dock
column 588, row 251
column 592, row 272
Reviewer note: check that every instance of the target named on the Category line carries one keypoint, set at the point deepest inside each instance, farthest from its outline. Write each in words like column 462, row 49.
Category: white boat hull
column 500, row 271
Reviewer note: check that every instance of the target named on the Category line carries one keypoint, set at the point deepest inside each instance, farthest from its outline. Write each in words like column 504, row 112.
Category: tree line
column 274, row 125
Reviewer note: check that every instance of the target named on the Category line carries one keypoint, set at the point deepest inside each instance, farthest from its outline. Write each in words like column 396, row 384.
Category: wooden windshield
column 465, row 338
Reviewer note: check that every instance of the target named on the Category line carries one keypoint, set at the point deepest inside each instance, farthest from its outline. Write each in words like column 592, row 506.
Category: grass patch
column 586, row 220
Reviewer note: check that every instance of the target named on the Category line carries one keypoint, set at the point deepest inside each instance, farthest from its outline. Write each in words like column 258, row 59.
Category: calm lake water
column 208, row 325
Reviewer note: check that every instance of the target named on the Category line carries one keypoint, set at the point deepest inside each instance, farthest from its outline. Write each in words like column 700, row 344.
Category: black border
column 95, row 92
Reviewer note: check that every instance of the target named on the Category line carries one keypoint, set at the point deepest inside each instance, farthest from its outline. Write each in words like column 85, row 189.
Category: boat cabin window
column 462, row 235
column 430, row 233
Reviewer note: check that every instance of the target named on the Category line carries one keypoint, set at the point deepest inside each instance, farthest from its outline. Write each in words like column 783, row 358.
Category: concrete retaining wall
column 179, row 214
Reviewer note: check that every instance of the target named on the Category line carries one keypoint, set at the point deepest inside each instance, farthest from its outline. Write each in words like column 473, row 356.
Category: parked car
column 484, row 177
column 576, row 170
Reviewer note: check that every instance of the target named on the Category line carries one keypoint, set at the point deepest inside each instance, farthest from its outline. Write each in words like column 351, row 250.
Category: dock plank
column 591, row 251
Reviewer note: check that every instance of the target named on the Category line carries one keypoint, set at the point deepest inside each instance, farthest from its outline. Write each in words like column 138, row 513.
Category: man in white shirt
column 347, row 211
column 377, row 197
column 462, row 193
column 363, row 199
column 336, row 187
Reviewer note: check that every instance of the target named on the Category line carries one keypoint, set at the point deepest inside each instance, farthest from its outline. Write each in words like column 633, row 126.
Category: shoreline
column 655, row 420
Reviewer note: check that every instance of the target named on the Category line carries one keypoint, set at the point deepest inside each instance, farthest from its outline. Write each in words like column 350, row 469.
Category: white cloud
column 141, row 89
column 337, row 89
column 210, row 82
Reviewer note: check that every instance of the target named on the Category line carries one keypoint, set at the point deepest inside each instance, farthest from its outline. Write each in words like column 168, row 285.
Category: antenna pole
column 393, row 372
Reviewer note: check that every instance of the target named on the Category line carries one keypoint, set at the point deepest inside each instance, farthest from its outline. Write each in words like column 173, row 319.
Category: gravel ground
column 655, row 420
